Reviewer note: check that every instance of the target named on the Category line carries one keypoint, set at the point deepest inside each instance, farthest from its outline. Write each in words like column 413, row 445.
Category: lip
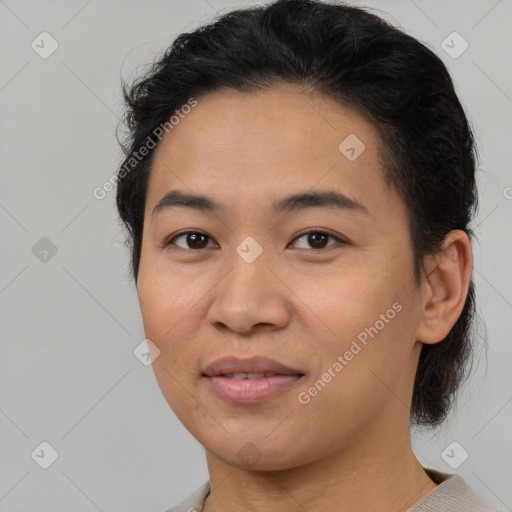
column 220, row 377
column 258, row 364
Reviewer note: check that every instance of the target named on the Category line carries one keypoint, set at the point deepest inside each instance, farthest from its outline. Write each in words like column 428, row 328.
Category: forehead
column 237, row 144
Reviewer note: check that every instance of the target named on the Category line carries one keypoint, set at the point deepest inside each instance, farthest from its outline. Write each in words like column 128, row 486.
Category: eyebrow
column 294, row 202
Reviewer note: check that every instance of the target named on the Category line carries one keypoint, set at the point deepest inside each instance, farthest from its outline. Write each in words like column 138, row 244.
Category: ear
column 445, row 287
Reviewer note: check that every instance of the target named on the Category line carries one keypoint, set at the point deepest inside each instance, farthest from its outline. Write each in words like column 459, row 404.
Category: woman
column 297, row 189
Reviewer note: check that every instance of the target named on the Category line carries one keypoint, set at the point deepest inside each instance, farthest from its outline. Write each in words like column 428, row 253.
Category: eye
column 198, row 240
column 192, row 240
column 318, row 239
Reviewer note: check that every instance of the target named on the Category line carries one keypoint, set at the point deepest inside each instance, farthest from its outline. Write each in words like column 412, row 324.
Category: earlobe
column 447, row 284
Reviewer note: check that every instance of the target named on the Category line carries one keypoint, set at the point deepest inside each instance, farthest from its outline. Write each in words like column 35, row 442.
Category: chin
column 259, row 453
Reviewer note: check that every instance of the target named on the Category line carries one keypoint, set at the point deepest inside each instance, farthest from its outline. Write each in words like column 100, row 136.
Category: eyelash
column 313, row 231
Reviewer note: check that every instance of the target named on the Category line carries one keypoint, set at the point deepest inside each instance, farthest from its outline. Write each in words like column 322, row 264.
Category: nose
column 252, row 296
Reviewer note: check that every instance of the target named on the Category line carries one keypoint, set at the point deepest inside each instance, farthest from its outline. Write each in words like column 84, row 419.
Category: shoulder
column 194, row 502
column 452, row 494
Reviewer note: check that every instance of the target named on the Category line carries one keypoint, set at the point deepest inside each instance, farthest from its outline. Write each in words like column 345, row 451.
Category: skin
column 349, row 448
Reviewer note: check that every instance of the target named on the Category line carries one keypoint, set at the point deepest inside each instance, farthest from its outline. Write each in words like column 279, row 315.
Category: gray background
column 70, row 323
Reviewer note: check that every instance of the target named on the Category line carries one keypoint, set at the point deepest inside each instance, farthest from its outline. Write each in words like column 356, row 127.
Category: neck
column 358, row 478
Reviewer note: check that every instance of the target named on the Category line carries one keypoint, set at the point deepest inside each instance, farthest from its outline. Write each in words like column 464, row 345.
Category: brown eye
column 317, row 239
column 192, row 240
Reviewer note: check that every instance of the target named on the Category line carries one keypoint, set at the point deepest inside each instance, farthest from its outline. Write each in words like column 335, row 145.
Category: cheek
column 353, row 299
column 167, row 317
column 164, row 300
column 370, row 324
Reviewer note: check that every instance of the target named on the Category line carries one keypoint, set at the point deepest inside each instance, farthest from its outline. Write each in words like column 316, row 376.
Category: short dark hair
column 362, row 61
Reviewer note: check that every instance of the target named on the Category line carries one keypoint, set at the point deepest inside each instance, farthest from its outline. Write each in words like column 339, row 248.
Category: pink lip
column 258, row 364
column 251, row 391
column 220, row 373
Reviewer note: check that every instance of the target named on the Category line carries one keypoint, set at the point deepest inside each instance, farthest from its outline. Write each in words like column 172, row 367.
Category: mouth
column 249, row 381
column 252, row 375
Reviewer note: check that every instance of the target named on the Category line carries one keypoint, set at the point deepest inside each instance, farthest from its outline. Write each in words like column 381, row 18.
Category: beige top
column 452, row 494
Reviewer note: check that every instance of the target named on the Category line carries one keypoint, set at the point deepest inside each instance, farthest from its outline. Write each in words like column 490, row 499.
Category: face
column 322, row 286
